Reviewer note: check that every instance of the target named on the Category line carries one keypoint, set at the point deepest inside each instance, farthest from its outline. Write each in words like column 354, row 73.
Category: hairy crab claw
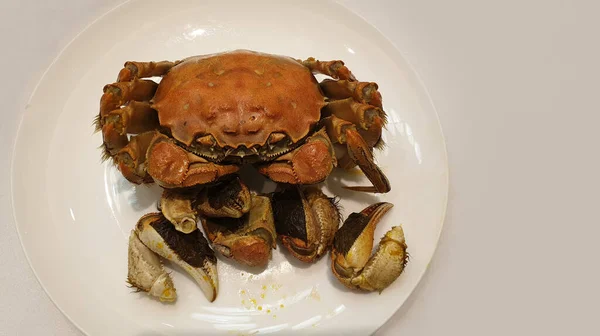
column 146, row 273
column 248, row 239
column 306, row 221
column 189, row 251
column 230, row 198
column 352, row 263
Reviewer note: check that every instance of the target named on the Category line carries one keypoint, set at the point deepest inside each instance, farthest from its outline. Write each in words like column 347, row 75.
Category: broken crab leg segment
column 189, row 251
column 146, row 272
column 308, row 164
column 391, row 257
column 118, row 94
column 226, row 199
column 248, row 239
column 136, row 117
column 131, row 158
column 306, row 221
column 362, row 115
column 134, row 69
column 172, row 166
column 351, row 257
column 363, row 92
column 177, row 207
column 335, row 69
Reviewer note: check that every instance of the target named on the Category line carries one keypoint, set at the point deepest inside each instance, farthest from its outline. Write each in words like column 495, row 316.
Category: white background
column 516, row 85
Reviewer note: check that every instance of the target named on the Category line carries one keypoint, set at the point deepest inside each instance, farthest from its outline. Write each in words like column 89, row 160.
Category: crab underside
column 212, row 114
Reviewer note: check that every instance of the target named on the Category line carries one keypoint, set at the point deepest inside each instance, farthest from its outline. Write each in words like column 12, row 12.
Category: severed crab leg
column 190, row 251
column 352, row 262
column 248, row 239
column 306, row 221
column 345, row 132
column 362, row 92
column 146, row 272
column 134, row 69
column 335, row 69
column 308, row 164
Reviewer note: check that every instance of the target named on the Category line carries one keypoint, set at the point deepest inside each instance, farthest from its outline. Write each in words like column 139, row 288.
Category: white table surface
column 516, row 84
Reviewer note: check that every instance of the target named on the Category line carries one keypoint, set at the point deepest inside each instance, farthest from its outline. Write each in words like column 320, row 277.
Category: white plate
column 74, row 213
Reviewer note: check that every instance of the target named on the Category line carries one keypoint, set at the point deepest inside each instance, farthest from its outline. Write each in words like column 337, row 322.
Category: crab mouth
column 269, row 151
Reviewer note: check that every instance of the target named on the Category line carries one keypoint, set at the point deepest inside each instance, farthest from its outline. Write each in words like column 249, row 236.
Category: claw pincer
column 352, row 262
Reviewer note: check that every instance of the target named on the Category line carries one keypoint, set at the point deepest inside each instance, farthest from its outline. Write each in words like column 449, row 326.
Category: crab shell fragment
column 351, row 259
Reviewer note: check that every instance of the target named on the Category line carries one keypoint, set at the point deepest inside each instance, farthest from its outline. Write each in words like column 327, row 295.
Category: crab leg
column 173, row 167
column 136, row 117
column 370, row 119
column 335, row 69
column 308, row 164
column 134, row 69
column 189, row 251
column 248, row 239
column 131, row 159
column 352, row 262
column 363, row 92
column 345, row 132
column 116, row 95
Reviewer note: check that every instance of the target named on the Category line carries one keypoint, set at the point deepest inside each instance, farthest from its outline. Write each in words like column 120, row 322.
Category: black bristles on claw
column 192, row 247
column 288, row 213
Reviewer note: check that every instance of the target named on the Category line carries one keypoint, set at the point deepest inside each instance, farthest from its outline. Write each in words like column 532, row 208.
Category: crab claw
column 306, row 221
column 352, row 263
column 248, row 239
column 146, row 273
column 189, row 251
column 228, row 199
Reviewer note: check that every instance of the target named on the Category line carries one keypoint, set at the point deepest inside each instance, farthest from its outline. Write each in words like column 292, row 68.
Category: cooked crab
column 351, row 259
column 212, row 114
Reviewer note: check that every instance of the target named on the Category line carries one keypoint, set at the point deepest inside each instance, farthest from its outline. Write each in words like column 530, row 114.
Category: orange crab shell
column 239, row 97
